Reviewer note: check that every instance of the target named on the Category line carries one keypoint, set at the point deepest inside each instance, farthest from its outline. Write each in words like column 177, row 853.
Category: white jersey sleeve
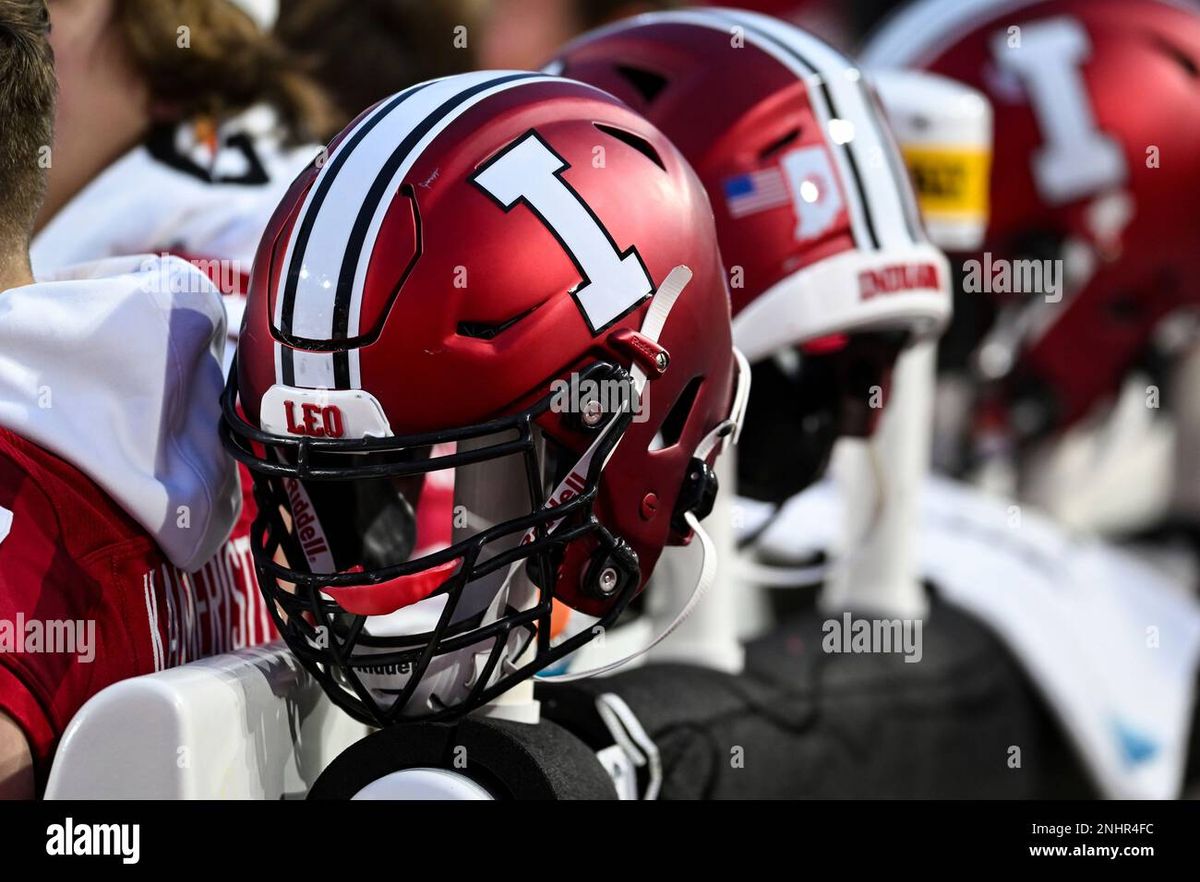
column 205, row 193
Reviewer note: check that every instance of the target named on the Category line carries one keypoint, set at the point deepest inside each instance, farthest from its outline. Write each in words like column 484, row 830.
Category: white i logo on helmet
column 1077, row 159
column 530, row 172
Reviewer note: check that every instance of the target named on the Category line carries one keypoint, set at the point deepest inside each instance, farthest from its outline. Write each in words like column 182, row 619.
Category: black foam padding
column 511, row 760
column 804, row 723
column 1191, row 773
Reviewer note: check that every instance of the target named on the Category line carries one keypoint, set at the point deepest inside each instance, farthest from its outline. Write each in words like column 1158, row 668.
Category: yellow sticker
column 950, row 181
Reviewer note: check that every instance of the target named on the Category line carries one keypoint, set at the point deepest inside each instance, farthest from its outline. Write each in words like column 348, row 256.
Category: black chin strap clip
column 697, row 495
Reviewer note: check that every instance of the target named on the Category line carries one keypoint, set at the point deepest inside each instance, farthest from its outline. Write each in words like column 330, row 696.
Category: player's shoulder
column 170, row 281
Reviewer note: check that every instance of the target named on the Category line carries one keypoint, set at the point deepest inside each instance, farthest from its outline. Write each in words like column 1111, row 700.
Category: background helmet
column 479, row 288
column 830, row 269
column 1089, row 164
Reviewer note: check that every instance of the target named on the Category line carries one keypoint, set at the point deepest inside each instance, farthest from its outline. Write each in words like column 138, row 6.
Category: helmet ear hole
column 676, row 420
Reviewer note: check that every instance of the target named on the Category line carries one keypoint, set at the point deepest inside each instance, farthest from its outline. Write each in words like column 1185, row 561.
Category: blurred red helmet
column 507, row 283
column 814, row 210
column 1097, row 114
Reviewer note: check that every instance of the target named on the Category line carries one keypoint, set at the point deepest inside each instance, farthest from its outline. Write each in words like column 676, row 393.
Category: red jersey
column 121, row 548
column 87, row 598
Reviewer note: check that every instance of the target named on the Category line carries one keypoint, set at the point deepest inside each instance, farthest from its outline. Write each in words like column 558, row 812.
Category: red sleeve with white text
column 87, row 598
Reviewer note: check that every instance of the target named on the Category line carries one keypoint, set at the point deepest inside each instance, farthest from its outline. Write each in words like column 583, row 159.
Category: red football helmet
column 1097, row 117
column 507, row 283
column 814, row 210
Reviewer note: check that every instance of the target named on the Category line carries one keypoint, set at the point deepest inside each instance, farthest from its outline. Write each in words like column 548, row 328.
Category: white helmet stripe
column 860, row 220
column 318, row 365
column 888, row 206
column 330, row 168
column 916, row 29
column 320, row 293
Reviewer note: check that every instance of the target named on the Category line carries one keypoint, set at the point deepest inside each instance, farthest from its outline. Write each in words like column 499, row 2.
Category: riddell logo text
column 304, row 520
column 572, row 486
column 897, row 278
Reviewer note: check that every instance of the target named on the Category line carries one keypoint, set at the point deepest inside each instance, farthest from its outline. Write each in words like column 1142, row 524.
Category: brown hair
column 27, row 92
column 226, row 65
column 365, row 50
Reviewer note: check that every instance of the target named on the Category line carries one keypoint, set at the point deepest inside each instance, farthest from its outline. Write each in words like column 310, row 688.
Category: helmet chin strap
column 656, row 316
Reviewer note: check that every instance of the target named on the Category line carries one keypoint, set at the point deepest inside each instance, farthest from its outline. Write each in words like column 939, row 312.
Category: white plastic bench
column 247, row 725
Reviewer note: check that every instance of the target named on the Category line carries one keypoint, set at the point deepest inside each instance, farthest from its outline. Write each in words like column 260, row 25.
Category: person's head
column 213, row 58
column 126, row 65
column 27, row 96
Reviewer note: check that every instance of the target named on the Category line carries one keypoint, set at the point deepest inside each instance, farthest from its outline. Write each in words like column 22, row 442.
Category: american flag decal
column 756, row 191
